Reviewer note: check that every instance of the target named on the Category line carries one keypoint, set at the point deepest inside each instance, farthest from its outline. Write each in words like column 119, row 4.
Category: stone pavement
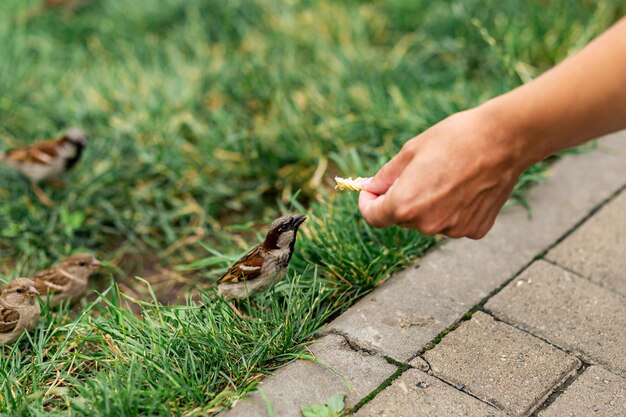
column 530, row 320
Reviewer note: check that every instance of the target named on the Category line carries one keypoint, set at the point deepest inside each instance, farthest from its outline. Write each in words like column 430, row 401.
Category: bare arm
column 582, row 98
column 455, row 177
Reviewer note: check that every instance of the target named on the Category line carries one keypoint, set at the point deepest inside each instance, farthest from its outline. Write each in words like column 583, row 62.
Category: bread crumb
column 350, row 184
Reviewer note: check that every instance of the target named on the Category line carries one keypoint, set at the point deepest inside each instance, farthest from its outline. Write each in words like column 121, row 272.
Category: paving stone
column 417, row 394
column 596, row 250
column 569, row 311
column 504, row 366
column 404, row 314
column 344, row 369
column 597, row 392
column 419, row 363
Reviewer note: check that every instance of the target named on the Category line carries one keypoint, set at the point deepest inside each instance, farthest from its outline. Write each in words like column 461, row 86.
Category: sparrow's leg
column 45, row 200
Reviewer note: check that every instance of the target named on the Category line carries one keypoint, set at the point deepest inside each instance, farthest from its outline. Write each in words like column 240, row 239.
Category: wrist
column 514, row 130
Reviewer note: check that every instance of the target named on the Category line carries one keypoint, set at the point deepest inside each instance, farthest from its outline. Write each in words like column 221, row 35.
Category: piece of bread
column 350, row 184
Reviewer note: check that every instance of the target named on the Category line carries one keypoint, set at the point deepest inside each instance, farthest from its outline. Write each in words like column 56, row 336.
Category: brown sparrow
column 19, row 309
column 68, row 281
column 264, row 265
column 46, row 159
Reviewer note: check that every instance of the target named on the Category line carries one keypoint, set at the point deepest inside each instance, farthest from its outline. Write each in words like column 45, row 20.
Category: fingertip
column 388, row 174
column 376, row 185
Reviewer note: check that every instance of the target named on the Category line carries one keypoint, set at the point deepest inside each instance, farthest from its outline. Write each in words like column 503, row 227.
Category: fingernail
column 367, row 182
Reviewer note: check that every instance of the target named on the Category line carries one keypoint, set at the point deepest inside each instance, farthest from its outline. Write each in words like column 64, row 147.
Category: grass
column 401, row 368
column 206, row 120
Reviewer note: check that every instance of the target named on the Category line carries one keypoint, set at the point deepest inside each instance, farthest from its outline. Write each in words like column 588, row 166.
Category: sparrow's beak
column 298, row 220
column 96, row 263
column 32, row 292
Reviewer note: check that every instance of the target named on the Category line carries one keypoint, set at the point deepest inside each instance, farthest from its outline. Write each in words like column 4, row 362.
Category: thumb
column 387, row 175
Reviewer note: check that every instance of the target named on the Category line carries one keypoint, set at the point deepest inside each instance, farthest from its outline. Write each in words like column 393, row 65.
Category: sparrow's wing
column 247, row 268
column 8, row 319
column 40, row 153
column 50, row 281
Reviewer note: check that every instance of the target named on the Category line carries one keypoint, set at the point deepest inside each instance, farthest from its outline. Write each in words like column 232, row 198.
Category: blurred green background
column 203, row 114
column 206, row 120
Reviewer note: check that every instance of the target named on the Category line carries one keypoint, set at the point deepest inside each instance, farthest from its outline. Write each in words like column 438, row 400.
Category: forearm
column 454, row 177
column 582, row 98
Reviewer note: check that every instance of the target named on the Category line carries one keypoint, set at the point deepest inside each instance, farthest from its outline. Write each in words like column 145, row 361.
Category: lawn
column 206, row 120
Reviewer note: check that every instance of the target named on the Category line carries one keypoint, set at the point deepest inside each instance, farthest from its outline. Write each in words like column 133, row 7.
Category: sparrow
column 67, row 281
column 264, row 265
column 19, row 309
column 46, row 159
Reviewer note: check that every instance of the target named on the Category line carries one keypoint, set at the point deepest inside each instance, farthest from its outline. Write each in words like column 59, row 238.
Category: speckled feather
column 19, row 309
column 8, row 319
column 50, row 281
column 264, row 265
column 235, row 273
column 48, row 158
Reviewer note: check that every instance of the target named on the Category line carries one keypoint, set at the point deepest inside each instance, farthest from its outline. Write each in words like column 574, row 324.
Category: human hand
column 452, row 179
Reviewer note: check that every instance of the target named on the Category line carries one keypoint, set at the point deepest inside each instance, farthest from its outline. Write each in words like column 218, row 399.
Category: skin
column 454, row 178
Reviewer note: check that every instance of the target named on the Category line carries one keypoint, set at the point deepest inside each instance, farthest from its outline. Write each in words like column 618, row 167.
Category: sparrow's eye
column 19, row 291
column 82, row 264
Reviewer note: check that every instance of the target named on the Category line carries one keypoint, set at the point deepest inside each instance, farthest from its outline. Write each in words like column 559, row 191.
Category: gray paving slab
column 597, row 392
column 568, row 311
column 403, row 315
column 419, row 363
column 344, row 369
column 504, row 366
column 597, row 250
column 417, row 394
